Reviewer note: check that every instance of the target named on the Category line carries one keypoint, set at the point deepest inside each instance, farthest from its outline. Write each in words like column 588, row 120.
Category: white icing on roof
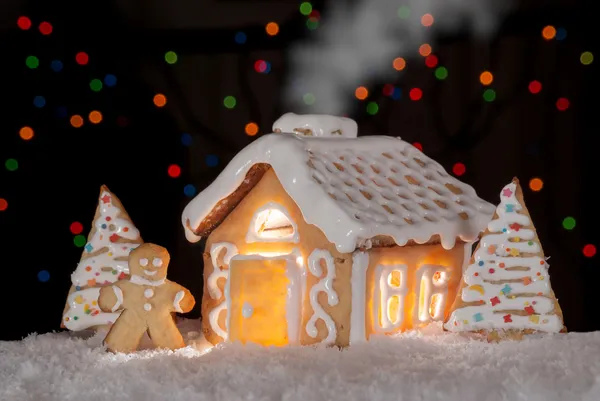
column 356, row 189
column 319, row 125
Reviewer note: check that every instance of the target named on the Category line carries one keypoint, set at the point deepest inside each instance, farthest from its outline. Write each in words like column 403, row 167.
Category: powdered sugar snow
column 427, row 365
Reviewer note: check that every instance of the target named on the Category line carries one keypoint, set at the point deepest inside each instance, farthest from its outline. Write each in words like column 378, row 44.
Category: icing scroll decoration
column 432, row 289
column 386, row 290
column 219, row 271
column 507, row 283
column 324, row 285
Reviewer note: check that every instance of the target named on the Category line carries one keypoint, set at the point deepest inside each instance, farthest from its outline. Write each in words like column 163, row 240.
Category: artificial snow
column 426, row 365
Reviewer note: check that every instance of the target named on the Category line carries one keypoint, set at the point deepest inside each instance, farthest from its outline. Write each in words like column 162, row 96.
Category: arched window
column 272, row 223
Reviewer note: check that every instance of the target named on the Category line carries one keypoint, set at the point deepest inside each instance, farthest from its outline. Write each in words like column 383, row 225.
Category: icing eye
column 143, row 262
column 157, row 262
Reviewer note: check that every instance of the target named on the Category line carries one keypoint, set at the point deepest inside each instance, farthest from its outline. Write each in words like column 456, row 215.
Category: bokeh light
column 459, row 169
column 415, row 94
column 486, row 78
column 24, row 23
column 96, row 85
column 11, row 164
column 82, row 58
column 418, row 146
column 586, row 58
column 251, row 129
column 272, row 28
column 240, row 38
column 56, row 65
column 403, row 12
column 39, row 101
column 262, row 66
column 489, row 95
column 312, row 23
column 229, row 102
column 3, row 204
column 45, row 28
column 372, row 108
column 562, row 104
column 211, row 160
column 186, row 139
column 589, row 250
column 425, row 49
column 305, row 8
column 361, row 93
column 95, row 117
column 397, row 94
column 76, row 228
column 174, row 171
column 441, row 73
column 399, row 63
column 309, row 99
column 536, row 184
column 189, row 190
column 561, row 34
column 79, row 241
column 32, row 62
column 26, row 133
column 43, row 276
column 160, row 100
column 535, row 87
column 388, row 90
column 431, row 60
column 171, row 57
column 549, row 32
column 76, row 121
column 110, row 80
column 427, row 20
column 569, row 223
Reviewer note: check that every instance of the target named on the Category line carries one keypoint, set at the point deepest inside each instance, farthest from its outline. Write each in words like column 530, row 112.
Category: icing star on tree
column 507, row 192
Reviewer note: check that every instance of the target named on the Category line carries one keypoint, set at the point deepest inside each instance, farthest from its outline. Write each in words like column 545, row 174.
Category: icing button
column 147, row 307
column 148, row 293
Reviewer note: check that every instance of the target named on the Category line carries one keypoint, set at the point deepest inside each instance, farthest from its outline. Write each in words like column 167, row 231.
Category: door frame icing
column 296, row 274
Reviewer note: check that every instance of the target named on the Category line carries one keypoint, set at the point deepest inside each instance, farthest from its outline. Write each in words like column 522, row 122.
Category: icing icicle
column 507, row 281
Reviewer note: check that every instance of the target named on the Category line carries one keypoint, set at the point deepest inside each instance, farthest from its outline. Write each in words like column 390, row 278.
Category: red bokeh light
column 459, row 169
column 589, row 250
column 431, row 61
column 24, row 23
column 82, row 58
column 45, row 28
column 76, row 228
column 388, row 89
column 415, row 94
column 562, row 104
column 535, row 87
column 260, row 66
column 418, row 146
column 174, row 171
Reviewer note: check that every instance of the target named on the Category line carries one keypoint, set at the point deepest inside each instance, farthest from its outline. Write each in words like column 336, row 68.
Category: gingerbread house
column 317, row 235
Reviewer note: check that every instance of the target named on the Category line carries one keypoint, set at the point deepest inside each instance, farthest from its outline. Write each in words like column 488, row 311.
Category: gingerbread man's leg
column 164, row 333
column 126, row 333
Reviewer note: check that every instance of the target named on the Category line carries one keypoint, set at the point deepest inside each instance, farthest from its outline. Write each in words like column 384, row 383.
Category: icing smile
column 150, row 272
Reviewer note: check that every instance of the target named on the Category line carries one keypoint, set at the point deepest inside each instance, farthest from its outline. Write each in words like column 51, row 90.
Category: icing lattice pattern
column 393, row 185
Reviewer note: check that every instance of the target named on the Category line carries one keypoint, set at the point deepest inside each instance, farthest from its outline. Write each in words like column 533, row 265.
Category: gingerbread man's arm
column 183, row 300
column 111, row 298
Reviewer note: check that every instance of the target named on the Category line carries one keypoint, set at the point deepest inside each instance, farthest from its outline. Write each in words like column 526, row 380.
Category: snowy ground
column 415, row 366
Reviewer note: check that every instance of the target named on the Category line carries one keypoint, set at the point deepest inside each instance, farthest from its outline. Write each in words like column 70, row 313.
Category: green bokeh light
column 32, row 62
column 403, row 12
column 309, row 99
column 171, row 57
column 489, row 95
column 569, row 223
column 441, row 73
column 372, row 108
column 306, row 8
column 229, row 102
column 11, row 164
column 79, row 241
column 96, row 85
column 312, row 23
column 586, row 58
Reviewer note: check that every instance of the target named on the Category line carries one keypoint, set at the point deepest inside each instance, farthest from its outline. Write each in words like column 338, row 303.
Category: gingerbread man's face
column 149, row 261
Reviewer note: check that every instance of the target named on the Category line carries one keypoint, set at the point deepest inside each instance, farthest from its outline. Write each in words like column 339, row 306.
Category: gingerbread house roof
column 353, row 189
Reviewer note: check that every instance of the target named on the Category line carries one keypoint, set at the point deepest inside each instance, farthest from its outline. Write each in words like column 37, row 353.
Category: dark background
column 61, row 169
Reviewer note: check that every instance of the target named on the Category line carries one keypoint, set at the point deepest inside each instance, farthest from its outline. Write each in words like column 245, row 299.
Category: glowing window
column 391, row 290
column 432, row 291
column 272, row 223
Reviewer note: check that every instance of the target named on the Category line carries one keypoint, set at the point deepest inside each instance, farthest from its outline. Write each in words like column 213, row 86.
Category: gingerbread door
column 265, row 300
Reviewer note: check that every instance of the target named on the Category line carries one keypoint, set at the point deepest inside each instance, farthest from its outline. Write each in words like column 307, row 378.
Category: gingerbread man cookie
column 147, row 300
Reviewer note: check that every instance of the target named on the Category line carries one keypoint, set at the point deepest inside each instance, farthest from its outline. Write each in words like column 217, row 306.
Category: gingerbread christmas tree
column 104, row 261
column 506, row 290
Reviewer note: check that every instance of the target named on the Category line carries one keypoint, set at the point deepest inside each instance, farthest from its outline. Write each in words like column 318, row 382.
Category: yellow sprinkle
column 517, row 239
column 514, row 252
column 79, row 299
column 513, row 296
column 465, row 321
column 110, row 254
column 526, row 303
column 534, row 318
column 541, row 278
column 94, row 303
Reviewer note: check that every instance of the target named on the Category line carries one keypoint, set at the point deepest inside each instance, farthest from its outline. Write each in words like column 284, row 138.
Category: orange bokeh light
column 3, row 204
column 251, row 129
column 160, row 100
column 26, row 133
column 486, row 78
column 399, row 63
column 272, row 28
column 76, row 121
column 536, row 184
column 549, row 32
column 95, row 117
column 427, row 20
column 361, row 93
column 425, row 50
